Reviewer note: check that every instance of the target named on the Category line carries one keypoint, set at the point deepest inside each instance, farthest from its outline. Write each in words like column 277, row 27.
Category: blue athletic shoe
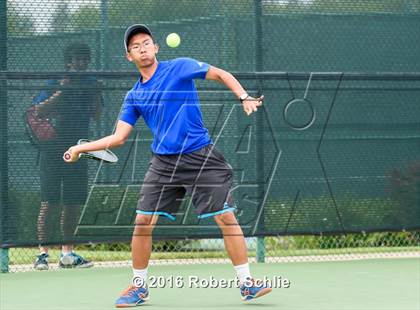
column 41, row 262
column 254, row 289
column 132, row 296
column 72, row 260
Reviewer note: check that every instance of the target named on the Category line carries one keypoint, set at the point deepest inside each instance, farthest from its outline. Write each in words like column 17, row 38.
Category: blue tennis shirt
column 169, row 105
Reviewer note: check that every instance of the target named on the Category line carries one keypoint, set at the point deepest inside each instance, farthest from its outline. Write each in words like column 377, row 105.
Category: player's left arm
column 250, row 104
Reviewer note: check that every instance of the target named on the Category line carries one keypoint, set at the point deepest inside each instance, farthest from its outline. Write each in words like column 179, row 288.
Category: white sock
column 66, row 253
column 243, row 273
column 139, row 277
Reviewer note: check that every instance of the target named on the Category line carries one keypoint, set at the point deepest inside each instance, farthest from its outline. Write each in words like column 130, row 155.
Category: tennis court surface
column 358, row 284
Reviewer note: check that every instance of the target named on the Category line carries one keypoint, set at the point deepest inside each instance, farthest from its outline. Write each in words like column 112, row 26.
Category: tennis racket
column 102, row 155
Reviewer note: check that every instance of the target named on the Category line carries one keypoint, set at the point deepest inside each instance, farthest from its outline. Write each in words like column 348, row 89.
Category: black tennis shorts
column 204, row 174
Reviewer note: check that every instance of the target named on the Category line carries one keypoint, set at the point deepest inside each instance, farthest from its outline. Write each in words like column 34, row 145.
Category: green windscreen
column 334, row 149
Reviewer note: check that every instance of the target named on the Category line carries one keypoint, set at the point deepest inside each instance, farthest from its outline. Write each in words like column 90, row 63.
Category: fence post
column 4, row 175
column 106, row 118
column 259, row 125
column 104, row 35
column 4, row 260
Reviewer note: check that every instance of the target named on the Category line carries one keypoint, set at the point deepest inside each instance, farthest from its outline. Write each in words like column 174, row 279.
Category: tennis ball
column 173, row 40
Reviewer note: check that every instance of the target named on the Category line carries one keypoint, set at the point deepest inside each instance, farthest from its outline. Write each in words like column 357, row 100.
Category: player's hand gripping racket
column 101, row 155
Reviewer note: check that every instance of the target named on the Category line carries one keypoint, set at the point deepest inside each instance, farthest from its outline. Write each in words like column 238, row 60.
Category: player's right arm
column 118, row 138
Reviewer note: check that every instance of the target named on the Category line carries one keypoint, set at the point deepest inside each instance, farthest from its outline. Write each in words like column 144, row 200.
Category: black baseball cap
column 135, row 29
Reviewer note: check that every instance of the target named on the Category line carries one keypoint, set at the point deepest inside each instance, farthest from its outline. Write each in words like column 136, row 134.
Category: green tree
column 86, row 17
column 341, row 6
column 62, row 19
column 124, row 12
column 360, row 6
column 17, row 23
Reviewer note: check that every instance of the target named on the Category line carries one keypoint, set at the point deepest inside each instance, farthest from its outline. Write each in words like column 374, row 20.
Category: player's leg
column 141, row 242
column 236, row 248
column 141, row 248
column 158, row 197
column 233, row 238
column 211, row 198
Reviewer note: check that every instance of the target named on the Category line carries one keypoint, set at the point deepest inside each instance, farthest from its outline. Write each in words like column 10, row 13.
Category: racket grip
column 67, row 156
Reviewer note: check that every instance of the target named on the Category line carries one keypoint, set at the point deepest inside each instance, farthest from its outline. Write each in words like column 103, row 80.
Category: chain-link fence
column 211, row 251
column 329, row 166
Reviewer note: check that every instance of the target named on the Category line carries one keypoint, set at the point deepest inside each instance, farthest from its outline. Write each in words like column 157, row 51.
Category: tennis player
column 184, row 158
